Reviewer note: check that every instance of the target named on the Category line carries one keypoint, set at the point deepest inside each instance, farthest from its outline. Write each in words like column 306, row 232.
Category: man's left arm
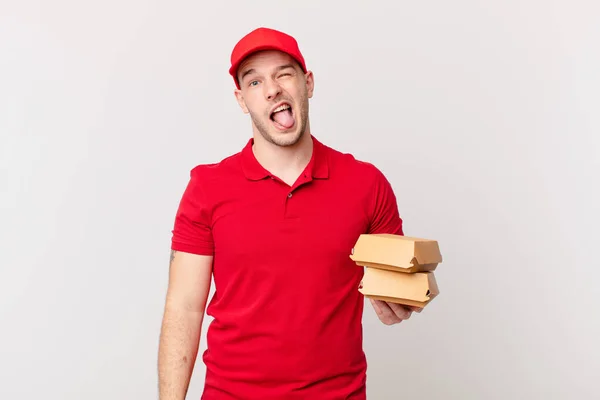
column 386, row 219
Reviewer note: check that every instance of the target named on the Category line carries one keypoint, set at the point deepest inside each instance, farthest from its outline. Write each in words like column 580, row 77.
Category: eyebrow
column 249, row 71
column 285, row 67
column 252, row 70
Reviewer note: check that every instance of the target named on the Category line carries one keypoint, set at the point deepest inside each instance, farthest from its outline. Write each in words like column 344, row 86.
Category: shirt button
column 289, row 195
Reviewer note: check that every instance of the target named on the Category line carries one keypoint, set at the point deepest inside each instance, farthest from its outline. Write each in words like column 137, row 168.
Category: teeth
column 281, row 108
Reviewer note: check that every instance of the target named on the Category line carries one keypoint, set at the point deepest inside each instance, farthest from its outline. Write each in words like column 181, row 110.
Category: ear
column 240, row 99
column 310, row 83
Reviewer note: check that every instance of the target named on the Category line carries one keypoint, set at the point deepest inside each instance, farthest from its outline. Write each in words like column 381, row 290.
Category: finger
column 376, row 306
column 400, row 311
column 384, row 312
column 417, row 309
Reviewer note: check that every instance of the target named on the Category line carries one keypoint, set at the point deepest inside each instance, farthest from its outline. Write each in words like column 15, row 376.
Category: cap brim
column 234, row 67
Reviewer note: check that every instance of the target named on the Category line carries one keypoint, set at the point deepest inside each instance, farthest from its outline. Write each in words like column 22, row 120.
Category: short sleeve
column 192, row 231
column 385, row 217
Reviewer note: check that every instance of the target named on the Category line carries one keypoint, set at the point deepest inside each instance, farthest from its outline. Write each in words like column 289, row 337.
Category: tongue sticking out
column 284, row 118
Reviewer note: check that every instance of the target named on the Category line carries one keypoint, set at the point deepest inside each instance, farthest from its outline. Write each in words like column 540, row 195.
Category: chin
column 285, row 139
column 276, row 134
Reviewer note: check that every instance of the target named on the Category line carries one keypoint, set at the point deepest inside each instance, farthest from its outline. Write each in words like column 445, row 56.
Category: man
column 274, row 225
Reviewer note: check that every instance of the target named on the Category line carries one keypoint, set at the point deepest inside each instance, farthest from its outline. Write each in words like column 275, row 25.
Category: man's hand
column 392, row 313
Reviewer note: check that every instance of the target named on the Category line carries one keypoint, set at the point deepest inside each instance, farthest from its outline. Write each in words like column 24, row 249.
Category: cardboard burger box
column 398, row 269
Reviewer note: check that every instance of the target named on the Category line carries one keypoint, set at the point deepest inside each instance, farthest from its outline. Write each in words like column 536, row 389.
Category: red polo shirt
column 287, row 310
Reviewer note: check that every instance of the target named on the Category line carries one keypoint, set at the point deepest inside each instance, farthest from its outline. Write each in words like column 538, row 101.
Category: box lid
column 387, row 251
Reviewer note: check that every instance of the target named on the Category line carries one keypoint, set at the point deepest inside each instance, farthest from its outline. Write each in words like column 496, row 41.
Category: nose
column 272, row 89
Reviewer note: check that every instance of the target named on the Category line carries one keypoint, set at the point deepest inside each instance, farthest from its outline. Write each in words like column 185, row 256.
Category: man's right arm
column 187, row 294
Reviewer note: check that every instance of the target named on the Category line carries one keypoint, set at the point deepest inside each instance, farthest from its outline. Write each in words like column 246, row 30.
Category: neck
column 286, row 162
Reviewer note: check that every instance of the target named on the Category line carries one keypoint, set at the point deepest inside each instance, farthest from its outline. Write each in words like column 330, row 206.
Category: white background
column 483, row 115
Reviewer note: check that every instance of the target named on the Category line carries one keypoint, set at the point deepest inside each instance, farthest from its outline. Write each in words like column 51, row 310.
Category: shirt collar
column 318, row 166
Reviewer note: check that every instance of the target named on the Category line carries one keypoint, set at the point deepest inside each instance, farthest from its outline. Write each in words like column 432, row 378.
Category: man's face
column 275, row 91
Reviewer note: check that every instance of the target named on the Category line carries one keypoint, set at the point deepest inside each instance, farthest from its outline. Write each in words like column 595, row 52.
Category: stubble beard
column 289, row 139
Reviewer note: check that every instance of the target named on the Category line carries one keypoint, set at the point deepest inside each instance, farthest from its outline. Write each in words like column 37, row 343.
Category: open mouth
column 283, row 117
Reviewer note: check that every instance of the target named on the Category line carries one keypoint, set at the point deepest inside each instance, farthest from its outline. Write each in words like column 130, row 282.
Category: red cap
column 264, row 39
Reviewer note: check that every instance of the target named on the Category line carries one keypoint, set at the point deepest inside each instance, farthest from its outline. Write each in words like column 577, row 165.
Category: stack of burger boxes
column 398, row 269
